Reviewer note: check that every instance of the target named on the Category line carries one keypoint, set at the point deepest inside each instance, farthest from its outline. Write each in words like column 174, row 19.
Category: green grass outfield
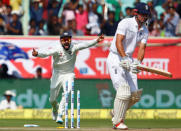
column 94, row 123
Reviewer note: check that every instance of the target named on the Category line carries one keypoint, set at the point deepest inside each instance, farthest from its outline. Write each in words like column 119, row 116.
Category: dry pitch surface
column 81, row 129
column 90, row 125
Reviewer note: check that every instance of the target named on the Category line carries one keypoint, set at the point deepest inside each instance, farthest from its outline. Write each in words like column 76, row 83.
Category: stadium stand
column 42, row 17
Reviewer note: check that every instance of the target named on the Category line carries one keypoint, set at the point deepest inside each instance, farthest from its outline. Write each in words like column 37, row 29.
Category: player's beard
column 66, row 46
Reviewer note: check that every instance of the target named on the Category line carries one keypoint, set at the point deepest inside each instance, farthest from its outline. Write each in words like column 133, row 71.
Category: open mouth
column 66, row 46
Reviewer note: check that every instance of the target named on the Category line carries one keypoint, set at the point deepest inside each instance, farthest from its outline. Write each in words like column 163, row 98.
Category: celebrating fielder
column 122, row 68
column 64, row 56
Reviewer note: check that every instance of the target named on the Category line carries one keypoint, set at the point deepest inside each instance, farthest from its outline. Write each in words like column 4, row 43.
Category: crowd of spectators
column 15, row 75
column 83, row 17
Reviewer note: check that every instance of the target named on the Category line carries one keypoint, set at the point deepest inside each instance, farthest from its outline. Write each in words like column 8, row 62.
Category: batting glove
column 134, row 66
column 125, row 63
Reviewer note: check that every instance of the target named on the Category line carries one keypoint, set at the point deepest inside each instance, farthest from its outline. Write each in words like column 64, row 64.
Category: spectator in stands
column 167, row 4
column 45, row 9
column 129, row 12
column 178, row 9
column 4, row 72
column 38, row 73
column 88, row 31
column 153, row 11
column 17, row 6
column 162, row 28
column 32, row 27
column 154, row 28
column 15, row 26
column 53, row 26
column 171, row 21
column 68, row 13
column 41, row 30
column 71, row 28
column 121, row 16
column 115, row 5
column 95, row 20
column 81, row 17
column 32, row 23
column 8, row 103
column 162, row 15
column 8, row 15
column 62, row 27
column 36, row 11
column 32, row 31
column 73, row 4
column 54, row 7
column 2, row 8
column 2, row 26
column 110, row 25
column 178, row 29
column 136, row 2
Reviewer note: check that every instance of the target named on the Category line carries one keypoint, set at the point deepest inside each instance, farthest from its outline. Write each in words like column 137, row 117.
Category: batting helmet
column 142, row 8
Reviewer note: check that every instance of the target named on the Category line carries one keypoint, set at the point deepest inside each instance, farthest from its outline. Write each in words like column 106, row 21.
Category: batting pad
column 135, row 97
column 123, row 92
column 120, row 108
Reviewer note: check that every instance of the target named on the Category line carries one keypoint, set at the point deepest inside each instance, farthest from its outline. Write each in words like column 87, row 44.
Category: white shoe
column 59, row 119
column 120, row 126
column 54, row 115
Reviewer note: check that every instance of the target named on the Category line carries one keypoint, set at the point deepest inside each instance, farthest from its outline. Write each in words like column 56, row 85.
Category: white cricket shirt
column 64, row 61
column 7, row 105
column 129, row 28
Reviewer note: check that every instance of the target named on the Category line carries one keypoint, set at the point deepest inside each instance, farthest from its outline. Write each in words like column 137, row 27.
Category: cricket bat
column 154, row 70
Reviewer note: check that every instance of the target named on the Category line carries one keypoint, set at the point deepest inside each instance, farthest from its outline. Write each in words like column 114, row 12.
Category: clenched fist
column 100, row 38
column 34, row 52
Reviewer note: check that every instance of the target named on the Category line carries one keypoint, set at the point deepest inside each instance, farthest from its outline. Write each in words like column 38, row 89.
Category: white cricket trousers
column 58, row 81
column 118, row 75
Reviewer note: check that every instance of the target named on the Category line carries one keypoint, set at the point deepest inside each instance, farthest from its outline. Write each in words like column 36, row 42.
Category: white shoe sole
column 120, row 128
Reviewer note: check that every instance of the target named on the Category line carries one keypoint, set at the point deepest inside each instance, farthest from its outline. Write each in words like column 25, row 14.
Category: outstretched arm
column 90, row 43
column 44, row 53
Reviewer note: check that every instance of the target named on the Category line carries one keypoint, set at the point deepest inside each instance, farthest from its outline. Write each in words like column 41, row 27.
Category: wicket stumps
column 72, row 106
column 78, row 109
column 66, row 105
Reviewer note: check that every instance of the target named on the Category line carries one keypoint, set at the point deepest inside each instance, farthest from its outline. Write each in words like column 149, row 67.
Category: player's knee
column 52, row 100
column 123, row 92
column 136, row 96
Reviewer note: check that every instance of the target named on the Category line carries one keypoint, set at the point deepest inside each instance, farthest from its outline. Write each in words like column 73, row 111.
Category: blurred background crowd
column 84, row 17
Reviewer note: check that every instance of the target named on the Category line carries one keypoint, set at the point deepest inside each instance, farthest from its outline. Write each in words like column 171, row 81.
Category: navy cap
column 143, row 8
column 65, row 34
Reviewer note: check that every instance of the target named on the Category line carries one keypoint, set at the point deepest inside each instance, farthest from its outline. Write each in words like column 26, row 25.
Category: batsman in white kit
column 131, row 32
column 64, row 57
